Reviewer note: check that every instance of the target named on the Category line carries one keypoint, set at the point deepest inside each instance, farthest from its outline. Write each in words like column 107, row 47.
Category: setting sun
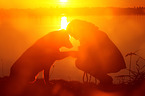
column 63, row 0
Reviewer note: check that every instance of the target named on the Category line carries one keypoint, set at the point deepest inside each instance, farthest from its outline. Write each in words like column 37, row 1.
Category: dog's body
column 40, row 56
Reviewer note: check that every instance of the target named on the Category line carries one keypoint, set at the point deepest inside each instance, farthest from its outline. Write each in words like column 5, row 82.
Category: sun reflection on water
column 75, row 43
column 64, row 22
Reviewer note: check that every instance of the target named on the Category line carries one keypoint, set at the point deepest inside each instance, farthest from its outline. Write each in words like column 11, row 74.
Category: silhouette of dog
column 40, row 56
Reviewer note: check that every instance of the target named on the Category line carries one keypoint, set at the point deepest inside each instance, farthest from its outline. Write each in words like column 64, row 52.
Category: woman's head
column 81, row 29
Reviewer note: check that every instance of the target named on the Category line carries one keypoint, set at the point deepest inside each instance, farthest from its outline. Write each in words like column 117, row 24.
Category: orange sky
column 69, row 3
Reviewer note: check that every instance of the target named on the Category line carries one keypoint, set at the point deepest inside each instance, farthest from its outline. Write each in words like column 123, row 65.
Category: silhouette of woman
column 97, row 55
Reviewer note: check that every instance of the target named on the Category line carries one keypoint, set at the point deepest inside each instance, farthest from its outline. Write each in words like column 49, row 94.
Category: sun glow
column 64, row 22
column 63, row 0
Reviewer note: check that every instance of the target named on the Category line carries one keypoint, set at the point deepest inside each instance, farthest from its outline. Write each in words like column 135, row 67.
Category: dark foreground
column 75, row 88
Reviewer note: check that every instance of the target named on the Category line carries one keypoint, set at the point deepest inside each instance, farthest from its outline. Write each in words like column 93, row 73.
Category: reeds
column 134, row 77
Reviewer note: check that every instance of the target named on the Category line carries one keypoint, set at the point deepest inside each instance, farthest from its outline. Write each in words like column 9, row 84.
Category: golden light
column 64, row 22
column 74, row 42
column 63, row 0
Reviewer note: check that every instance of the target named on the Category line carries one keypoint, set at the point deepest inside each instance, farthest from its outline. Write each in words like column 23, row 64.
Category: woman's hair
column 80, row 27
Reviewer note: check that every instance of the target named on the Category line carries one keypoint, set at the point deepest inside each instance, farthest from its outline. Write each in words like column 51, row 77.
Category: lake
column 17, row 33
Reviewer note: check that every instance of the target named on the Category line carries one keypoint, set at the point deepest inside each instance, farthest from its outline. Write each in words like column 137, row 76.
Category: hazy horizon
column 71, row 7
column 69, row 3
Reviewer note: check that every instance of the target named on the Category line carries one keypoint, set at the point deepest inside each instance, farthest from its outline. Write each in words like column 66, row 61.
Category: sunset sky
column 69, row 3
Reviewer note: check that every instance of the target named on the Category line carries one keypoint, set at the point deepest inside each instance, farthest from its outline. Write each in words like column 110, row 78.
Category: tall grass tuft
column 137, row 76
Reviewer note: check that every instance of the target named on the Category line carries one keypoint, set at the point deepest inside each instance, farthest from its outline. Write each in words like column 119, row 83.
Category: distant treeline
column 73, row 11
